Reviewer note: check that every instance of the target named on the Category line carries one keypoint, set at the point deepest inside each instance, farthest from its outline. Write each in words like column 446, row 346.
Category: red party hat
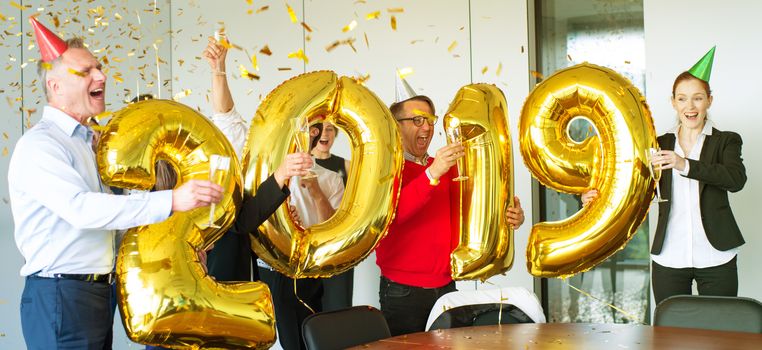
column 51, row 46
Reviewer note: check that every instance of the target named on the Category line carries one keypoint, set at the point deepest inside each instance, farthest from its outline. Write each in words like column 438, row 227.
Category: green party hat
column 703, row 68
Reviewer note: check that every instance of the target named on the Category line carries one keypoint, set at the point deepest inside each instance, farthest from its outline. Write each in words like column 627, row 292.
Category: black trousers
column 721, row 280
column 337, row 291
column 289, row 312
column 407, row 308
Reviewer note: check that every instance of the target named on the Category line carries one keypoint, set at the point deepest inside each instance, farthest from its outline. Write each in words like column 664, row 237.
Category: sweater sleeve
column 729, row 173
column 255, row 210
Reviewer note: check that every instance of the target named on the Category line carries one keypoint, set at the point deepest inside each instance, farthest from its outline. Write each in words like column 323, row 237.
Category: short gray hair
column 44, row 67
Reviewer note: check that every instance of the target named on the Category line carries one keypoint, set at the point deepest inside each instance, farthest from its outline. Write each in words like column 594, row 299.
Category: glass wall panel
column 607, row 33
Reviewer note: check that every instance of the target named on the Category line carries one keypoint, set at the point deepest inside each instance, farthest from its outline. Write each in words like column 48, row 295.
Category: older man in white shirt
column 64, row 217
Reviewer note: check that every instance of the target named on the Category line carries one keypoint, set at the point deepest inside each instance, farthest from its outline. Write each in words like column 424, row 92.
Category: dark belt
column 94, row 277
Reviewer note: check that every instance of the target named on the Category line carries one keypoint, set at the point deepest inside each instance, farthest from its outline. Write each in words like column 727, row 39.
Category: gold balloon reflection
column 615, row 163
column 486, row 239
column 165, row 297
column 370, row 197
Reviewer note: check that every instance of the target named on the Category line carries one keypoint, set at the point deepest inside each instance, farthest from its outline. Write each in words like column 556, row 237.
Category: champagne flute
column 218, row 168
column 302, row 138
column 656, row 175
column 453, row 136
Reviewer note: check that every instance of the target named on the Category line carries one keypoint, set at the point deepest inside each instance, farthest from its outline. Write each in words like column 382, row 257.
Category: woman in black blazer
column 697, row 237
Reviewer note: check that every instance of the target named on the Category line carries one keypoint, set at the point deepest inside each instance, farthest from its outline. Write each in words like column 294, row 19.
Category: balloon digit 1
column 486, row 239
column 615, row 163
column 165, row 296
column 370, row 198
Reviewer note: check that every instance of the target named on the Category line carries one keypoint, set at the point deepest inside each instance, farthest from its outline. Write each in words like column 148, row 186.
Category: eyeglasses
column 419, row 119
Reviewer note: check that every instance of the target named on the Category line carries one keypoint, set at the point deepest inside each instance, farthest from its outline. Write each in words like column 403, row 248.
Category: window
column 608, row 33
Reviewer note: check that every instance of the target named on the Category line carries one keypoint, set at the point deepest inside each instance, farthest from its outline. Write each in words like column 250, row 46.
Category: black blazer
column 719, row 169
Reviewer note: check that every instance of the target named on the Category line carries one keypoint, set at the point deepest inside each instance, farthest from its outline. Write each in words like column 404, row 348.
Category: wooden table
column 571, row 336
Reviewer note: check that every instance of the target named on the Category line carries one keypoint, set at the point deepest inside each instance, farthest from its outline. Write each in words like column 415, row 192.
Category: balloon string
column 625, row 313
column 300, row 299
column 502, row 299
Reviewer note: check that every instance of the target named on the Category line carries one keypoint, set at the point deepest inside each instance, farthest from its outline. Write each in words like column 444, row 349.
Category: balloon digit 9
column 165, row 296
column 615, row 163
column 486, row 240
column 362, row 218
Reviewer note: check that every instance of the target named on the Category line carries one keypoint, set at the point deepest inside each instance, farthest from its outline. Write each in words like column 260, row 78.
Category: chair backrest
column 517, row 297
column 737, row 314
column 344, row 328
column 480, row 315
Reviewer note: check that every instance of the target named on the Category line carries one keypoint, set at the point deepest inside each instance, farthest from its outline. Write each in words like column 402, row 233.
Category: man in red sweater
column 414, row 257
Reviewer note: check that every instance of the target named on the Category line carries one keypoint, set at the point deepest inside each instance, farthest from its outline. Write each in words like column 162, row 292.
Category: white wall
column 678, row 33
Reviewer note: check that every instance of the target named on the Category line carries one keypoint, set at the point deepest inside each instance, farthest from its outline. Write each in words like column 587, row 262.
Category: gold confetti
column 299, row 55
column 568, row 57
column 181, row 94
column 366, row 40
column 627, row 62
column 394, row 23
column 306, row 27
column 291, row 14
column 117, row 15
column 415, row 41
column 452, row 46
column 349, row 26
column 5, row 151
column 2, row 18
column 21, row 8
column 5, row 135
column 336, row 44
column 180, row 62
column 361, row 79
column 499, row 68
column 75, row 72
column 263, row 9
column 284, row 68
column 118, row 78
column 266, row 51
column 395, row 10
column 484, row 70
column 254, row 62
column 373, row 15
column 536, row 74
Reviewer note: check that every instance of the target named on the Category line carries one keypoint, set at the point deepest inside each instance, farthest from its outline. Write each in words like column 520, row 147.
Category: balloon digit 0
column 362, row 218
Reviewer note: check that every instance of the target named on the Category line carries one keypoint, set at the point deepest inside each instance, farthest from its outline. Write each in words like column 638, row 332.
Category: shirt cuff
column 161, row 205
column 432, row 180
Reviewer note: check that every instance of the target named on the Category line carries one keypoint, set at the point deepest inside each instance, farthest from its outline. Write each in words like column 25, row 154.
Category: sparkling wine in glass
column 656, row 174
column 302, row 139
column 218, row 168
column 453, row 136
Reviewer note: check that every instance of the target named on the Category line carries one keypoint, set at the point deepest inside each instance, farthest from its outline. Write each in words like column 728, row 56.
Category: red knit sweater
column 416, row 250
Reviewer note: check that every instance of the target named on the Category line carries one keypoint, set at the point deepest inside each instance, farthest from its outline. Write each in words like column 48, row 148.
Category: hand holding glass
column 656, row 174
column 454, row 136
column 218, row 168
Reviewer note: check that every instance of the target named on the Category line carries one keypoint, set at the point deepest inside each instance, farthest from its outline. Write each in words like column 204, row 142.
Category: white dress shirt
column 234, row 127
column 64, row 218
column 330, row 183
column 685, row 243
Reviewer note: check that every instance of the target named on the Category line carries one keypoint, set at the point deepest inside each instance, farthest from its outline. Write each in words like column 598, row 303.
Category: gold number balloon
column 371, row 194
column 165, row 296
column 615, row 163
column 486, row 239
